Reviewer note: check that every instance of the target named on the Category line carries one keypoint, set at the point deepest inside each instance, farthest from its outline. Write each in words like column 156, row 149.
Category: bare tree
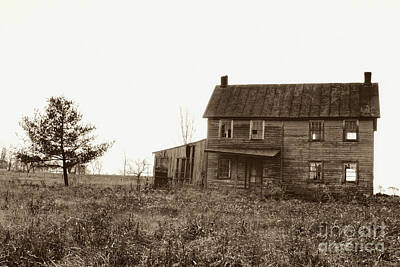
column 137, row 168
column 380, row 189
column 96, row 166
column 395, row 190
column 3, row 154
column 187, row 125
column 125, row 163
column 10, row 157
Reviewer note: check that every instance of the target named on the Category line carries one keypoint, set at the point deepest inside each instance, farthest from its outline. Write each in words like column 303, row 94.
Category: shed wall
column 180, row 152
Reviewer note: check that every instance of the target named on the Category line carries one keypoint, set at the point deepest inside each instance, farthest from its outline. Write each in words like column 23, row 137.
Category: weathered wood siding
column 241, row 130
column 180, row 152
column 240, row 139
column 199, row 168
column 293, row 137
column 333, row 151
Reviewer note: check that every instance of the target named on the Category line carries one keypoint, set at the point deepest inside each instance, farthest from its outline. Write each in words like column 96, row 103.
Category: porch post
column 261, row 178
column 245, row 174
column 237, row 171
column 281, row 152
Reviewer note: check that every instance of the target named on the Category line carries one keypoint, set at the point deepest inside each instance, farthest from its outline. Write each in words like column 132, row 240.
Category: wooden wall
column 199, row 168
column 272, row 135
column 173, row 154
column 272, row 140
column 298, row 151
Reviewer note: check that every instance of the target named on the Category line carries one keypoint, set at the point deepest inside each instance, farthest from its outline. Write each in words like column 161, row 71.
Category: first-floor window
column 350, row 172
column 316, row 170
column 224, row 168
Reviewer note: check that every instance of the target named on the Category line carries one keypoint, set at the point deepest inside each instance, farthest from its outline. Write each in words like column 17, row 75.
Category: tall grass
column 89, row 224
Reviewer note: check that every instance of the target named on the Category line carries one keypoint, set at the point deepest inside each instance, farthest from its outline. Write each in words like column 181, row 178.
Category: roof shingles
column 295, row 101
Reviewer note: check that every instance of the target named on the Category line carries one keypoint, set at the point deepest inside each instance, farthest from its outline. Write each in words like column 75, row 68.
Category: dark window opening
column 225, row 129
column 224, row 169
column 316, row 130
column 177, row 169
column 192, row 164
column 183, row 168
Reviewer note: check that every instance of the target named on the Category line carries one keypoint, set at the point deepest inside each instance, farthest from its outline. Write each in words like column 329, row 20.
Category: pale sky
column 130, row 64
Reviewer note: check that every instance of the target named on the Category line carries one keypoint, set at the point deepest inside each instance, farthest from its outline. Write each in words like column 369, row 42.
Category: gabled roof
column 314, row 100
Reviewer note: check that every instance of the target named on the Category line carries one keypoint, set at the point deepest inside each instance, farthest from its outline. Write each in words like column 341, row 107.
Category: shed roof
column 310, row 100
column 188, row 144
column 245, row 152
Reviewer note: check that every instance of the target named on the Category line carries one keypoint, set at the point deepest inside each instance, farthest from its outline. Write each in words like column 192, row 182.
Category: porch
column 243, row 168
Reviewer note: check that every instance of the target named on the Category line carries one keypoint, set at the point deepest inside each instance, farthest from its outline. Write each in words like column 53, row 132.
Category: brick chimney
column 367, row 77
column 224, row 81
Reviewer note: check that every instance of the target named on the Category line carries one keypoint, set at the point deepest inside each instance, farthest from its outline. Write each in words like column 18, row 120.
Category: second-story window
column 316, row 130
column 350, row 130
column 256, row 129
column 225, row 128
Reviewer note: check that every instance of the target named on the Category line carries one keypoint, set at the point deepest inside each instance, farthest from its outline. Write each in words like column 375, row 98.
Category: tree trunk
column 65, row 173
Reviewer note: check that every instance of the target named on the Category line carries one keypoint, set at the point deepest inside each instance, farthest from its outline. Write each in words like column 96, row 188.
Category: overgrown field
column 74, row 179
column 43, row 224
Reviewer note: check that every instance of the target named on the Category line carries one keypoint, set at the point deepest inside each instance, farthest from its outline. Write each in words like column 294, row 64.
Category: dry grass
column 114, row 225
column 75, row 179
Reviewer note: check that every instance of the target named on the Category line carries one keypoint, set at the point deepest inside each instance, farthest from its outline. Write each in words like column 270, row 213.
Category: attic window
column 225, row 128
column 316, row 130
column 350, row 171
column 256, row 129
column 316, row 170
column 350, row 130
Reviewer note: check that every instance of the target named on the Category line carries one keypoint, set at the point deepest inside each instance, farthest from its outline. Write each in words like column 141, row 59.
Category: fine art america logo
column 348, row 238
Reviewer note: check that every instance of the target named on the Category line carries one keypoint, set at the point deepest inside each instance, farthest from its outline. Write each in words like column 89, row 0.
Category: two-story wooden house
column 295, row 135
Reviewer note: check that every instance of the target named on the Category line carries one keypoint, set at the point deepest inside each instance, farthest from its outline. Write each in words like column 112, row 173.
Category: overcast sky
column 130, row 64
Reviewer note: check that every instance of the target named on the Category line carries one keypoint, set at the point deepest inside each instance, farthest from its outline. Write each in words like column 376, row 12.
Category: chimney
column 367, row 77
column 224, row 81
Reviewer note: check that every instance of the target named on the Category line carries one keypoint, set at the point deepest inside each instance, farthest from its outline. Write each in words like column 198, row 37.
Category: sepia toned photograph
column 199, row 133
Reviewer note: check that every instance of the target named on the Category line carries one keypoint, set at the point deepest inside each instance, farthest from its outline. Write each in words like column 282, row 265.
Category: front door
column 254, row 172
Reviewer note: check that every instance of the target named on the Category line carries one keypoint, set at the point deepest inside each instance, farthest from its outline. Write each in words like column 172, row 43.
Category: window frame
column 345, row 131
column 322, row 171
column 229, row 169
column 251, row 129
column 344, row 172
column 322, row 131
column 220, row 126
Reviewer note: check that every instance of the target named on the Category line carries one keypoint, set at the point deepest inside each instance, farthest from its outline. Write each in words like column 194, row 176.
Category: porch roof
column 245, row 152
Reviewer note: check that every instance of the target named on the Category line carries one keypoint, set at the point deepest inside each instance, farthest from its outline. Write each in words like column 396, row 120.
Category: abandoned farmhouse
column 294, row 135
